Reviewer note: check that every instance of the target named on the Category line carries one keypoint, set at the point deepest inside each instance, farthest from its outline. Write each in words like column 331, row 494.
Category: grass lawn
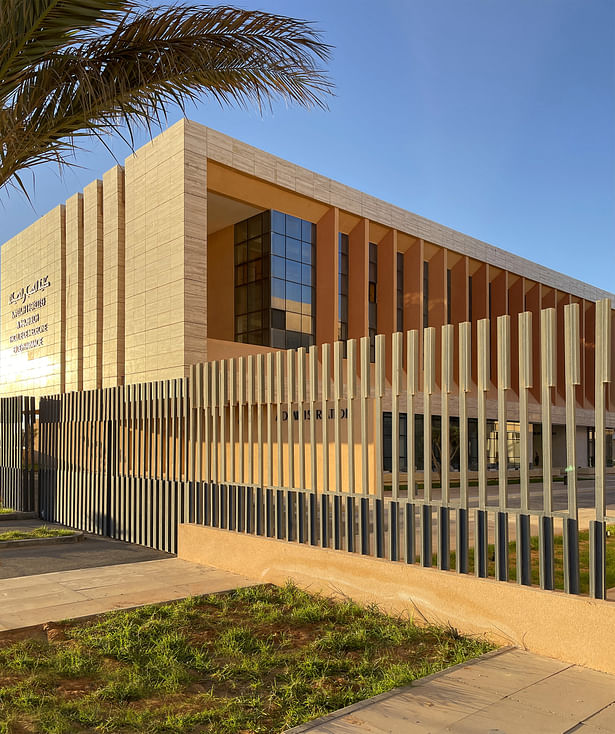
column 42, row 532
column 558, row 549
column 260, row 659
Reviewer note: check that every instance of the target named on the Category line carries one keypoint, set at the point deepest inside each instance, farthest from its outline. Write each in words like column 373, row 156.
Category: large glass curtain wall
column 512, row 442
column 274, row 281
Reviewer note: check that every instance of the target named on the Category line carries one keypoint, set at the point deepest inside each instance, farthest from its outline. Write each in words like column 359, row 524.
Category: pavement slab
column 508, row 691
column 33, row 600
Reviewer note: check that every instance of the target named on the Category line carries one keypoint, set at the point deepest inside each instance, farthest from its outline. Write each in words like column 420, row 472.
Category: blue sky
column 495, row 118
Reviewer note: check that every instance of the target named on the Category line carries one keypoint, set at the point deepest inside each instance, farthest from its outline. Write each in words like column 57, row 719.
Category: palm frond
column 132, row 69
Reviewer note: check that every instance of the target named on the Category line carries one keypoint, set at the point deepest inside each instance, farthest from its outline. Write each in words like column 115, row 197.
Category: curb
column 310, row 725
column 76, row 537
column 9, row 516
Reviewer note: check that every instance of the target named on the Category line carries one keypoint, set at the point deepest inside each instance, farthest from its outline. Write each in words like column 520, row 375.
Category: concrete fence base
column 573, row 629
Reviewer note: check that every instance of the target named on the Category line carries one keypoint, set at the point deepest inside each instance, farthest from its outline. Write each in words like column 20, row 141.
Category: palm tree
column 72, row 68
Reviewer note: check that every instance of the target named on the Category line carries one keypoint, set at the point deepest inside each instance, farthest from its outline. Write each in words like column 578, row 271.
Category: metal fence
column 289, row 445
column 17, row 464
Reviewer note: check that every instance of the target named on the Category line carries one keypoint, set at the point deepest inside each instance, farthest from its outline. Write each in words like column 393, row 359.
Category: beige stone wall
column 166, row 255
column 33, row 327
column 113, row 278
column 92, row 284
column 74, row 293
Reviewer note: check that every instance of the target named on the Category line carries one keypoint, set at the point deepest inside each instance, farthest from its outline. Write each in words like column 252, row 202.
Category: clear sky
column 495, row 118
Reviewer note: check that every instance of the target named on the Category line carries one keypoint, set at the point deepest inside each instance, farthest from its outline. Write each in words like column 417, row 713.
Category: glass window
column 255, row 226
column 278, row 245
column 293, row 227
column 274, row 279
column 241, row 275
column 241, row 253
column 278, row 267
column 241, row 300
column 278, row 338
column 255, row 297
column 293, row 249
column 278, row 319
column 278, row 294
column 241, row 324
column 278, row 222
column 293, row 297
column 293, row 271
column 306, row 231
column 255, row 270
column 255, row 248
column 255, row 321
column 293, row 339
column 241, row 232
column 293, row 321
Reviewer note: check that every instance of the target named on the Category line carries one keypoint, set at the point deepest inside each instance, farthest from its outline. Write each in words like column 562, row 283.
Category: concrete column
column 533, row 298
column 562, row 299
column 437, row 301
column 327, row 276
column 499, row 307
column 113, row 278
column 516, row 305
column 589, row 352
column 459, row 290
column 580, row 388
column 459, row 302
column 74, row 293
column 480, row 307
column 92, row 285
column 386, row 292
column 413, row 287
column 358, row 272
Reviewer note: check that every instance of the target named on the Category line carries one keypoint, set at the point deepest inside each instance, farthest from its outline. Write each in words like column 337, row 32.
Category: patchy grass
column 42, row 532
column 558, row 560
column 260, row 659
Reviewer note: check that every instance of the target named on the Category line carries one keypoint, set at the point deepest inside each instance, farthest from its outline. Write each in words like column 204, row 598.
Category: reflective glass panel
column 293, row 321
column 278, row 245
column 255, row 226
column 306, row 275
column 293, row 271
column 293, row 297
column 278, row 294
column 278, row 269
column 293, row 249
column 278, row 222
column 293, row 227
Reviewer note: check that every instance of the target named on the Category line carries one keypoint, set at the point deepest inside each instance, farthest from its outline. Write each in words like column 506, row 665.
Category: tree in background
column 72, row 68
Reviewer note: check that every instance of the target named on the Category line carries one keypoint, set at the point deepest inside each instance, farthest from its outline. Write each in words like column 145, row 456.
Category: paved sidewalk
column 32, row 600
column 506, row 692
column 94, row 551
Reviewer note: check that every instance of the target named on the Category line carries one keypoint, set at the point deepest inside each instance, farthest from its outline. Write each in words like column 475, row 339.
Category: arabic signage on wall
column 29, row 329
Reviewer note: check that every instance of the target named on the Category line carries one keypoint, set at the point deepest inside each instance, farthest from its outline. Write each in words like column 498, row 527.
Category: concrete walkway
column 50, row 597
column 506, row 692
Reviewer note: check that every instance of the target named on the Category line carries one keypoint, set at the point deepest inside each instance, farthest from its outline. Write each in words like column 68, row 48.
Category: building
column 203, row 248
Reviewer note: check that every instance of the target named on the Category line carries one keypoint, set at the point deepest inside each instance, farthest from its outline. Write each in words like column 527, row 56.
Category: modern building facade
column 202, row 247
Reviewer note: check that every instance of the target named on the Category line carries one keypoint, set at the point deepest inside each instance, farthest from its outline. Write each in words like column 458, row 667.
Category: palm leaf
column 130, row 64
